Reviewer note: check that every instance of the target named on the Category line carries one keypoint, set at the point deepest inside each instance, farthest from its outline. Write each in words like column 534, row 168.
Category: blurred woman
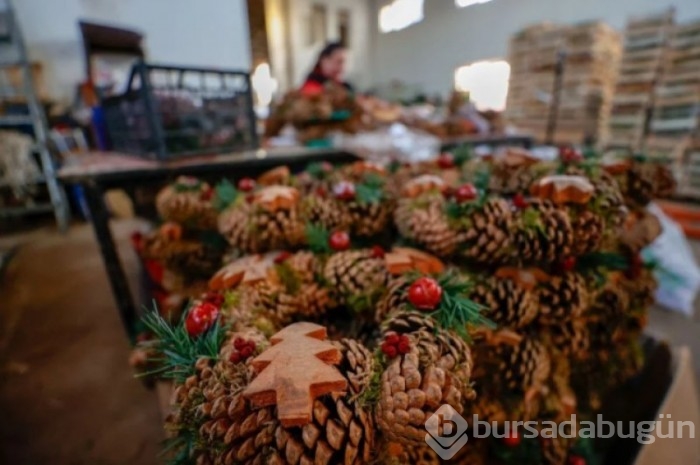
column 330, row 66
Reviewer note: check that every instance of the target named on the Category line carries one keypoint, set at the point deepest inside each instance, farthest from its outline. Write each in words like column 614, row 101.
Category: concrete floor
column 67, row 394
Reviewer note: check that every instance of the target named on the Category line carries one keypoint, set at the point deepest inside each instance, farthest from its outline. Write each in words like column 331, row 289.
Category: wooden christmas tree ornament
column 246, row 270
column 295, row 371
column 275, row 198
column 404, row 259
column 422, row 184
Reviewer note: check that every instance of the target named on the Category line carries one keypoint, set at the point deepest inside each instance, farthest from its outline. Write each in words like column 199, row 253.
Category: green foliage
column 456, row 312
column 317, row 238
column 372, row 393
column 177, row 351
column 288, row 277
column 533, row 221
column 213, row 240
column 602, row 260
column 482, row 178
column 317, row 170
column 370, row 190
column 179, row 450
column 462, row 154
column 186, row 187
column 226, row 194
column 459, row 212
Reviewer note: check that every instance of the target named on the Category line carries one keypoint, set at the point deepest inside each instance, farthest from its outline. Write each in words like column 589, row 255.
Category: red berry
column 344, row 190
column 404, row 338
column 282, row 257
column 425, row 293
column 326, row 167
column 404, row 346
column 239, row 343
column 569, row 155
column 513, row 440
column 321, row 191
column 339, row 241
column 568, row 264
column 251, row 344
column 519, row 201
column 207, row 194
column 445, row 161
column 246, row 184
column 576, row 460
column 247, row 351
column 249, row 198
column 214, row 298
column 200, row 318
column 448, row 192
column 235, row 357
column 389, row 350
column 465, row 193
column 392, row 338
column 378, row 252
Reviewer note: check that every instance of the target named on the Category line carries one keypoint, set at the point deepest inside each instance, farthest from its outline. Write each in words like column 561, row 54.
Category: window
column 400, row 14
column 465, row 3
column 486, row 82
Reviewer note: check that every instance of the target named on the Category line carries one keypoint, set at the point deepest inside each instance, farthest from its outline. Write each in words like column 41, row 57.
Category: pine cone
column 235, row 226
column 513, row 367
column 342, row 430
column 393, row 299
column 326, row 212
column 227, row 430
column 486, row 239
column 509, row 305
column 356, row 276
column 281, row 229
column 424, row 222
column 413, row 454
column 562, row 298
column 368, row 219
column 640, row 184
column 435, row 372
column 571, row 337
column 187, row 204
column 543, row 233
column 588, row 232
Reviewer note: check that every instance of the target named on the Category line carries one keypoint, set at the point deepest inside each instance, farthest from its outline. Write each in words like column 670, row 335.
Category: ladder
column 14, row 56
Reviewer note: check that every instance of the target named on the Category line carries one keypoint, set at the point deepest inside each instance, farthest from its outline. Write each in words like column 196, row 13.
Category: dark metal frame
column 145, row 93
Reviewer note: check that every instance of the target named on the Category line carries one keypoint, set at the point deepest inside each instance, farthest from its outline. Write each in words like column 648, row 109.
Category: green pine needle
column 462, row 154
column 317, row 238
column 317, row 170
column 482, row 178
column 289, row 278
column 180, row 187
column 456, row 312
column 533, row 221
column 606, row 260
column 226, row 194
column 370, row 190
column 177, row 351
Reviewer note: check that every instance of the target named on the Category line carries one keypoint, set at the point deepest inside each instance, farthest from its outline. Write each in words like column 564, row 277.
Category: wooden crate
column 587, row 82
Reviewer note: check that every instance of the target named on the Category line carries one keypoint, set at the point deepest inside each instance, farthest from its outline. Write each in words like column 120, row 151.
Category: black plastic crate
column 171, row 111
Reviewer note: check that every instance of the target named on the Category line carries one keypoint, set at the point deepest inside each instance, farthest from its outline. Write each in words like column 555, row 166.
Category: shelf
column 6, row 212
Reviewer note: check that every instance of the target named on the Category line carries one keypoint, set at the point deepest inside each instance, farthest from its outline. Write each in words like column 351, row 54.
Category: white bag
column 676, row 270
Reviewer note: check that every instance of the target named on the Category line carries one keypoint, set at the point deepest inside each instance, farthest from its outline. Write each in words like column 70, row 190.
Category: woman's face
column 333, row 66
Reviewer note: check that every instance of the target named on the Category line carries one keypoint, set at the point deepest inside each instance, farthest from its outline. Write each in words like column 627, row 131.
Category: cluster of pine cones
column 548, row 252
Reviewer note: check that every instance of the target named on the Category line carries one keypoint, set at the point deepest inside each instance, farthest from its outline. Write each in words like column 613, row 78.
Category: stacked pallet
column 677, row 105
column 589, row 54
column 644, row 60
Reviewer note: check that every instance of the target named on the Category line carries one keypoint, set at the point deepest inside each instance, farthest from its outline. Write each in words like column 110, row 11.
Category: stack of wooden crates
column 590, row 56
column 644, row 60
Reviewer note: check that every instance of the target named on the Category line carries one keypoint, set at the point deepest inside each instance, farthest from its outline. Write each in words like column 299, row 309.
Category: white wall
column 301, row 55
column 429, row 52
column 187, row 32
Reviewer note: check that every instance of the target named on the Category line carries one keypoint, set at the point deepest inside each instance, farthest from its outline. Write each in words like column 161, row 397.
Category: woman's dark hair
column 328, row 50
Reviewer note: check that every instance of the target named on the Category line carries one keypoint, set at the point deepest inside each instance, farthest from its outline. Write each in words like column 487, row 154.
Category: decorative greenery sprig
column 462, row 154
column 177, row 352
column 226, row 194
column 317, row 238
column 370, row 190
column 456, row 312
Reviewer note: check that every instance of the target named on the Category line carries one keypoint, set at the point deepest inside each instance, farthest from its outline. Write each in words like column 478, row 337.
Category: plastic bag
column 677, row 272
